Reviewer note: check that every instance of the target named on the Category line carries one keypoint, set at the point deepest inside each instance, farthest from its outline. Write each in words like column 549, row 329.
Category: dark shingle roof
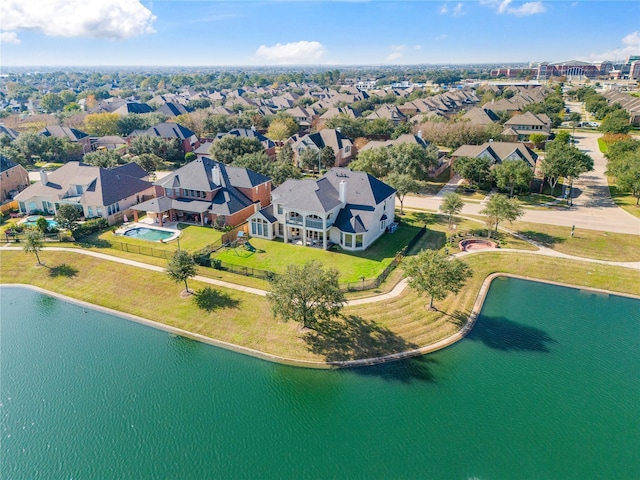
column 6, row 164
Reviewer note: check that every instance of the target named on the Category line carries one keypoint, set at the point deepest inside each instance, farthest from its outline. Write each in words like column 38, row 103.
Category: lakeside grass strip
column 151, row 295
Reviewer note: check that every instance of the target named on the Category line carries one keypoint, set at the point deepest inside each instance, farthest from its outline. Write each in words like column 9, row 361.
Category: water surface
column 545, row 386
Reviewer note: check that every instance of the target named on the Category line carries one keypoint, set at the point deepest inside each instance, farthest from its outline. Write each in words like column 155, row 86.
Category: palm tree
column 34, row 242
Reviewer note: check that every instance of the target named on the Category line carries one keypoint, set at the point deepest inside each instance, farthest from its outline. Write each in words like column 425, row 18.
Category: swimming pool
column 152, row 234
column 32, row 220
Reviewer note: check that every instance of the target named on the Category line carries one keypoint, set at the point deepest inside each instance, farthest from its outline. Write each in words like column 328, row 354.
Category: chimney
column 215, row 175
column 343, row 192
column 44, row 178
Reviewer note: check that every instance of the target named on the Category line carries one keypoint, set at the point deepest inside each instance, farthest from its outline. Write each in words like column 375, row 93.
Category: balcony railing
column 314, row 223
column 294, row 220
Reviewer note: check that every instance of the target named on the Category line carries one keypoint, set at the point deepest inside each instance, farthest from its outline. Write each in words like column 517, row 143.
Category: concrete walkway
column 592, row 208
column 395, row 292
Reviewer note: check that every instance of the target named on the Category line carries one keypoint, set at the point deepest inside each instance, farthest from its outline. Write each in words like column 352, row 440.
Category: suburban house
column 170, row 131
column 13, row 179
column 404, row 138
column 388, row 112
column 528, row 123
column 268, row 144
column 497, row 152
column 205, row 191
column 350, row 209
column 97, row 192
column 342, row 146
column 71, row 134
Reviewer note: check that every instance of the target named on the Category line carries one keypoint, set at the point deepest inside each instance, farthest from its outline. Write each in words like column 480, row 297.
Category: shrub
column 89, row 227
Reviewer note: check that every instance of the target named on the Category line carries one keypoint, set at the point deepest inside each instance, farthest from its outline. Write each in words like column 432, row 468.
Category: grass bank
column 243, row 319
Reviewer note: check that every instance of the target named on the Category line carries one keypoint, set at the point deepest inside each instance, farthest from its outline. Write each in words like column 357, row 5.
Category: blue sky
column 348, row 32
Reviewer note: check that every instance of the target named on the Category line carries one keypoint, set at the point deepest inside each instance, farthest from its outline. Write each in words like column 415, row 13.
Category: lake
column 546, row 385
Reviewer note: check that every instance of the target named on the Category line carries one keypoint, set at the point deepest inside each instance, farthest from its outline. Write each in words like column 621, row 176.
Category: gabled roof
column 310, row 195
column 480, row 116
column 526, row 118
column 326, row 137
column 166, row 130
column 63, row 132
column 498, row 151
column 172, row 109
column 10, row 132
column 100, row 185
column 6, row 164
column 133, row 107
column 248, row 133
column 199, row 175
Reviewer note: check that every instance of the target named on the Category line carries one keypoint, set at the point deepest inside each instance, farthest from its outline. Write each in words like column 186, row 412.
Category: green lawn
column 617, row 247
column 275, row 255
column 193, row 238
column 623, row 199
column 471, row 194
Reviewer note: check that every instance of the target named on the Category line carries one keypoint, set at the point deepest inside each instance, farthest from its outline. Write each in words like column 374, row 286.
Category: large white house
column 351, row 209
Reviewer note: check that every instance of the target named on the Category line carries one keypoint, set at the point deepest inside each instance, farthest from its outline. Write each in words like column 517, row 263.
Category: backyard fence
column 142, row 250
column 364, row 284
column 21, row 237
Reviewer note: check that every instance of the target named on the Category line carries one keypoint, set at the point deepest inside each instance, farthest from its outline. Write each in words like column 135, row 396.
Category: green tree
column 42, row 224
column 626, row 170
column 616, row 122
column 451, row 205
column 404, row 184
column 285, row 154
column 230, row 147
column 102, row 124
column 68, row 216
column 511, row 174
column 128, row 123
column 181, row 267
column 562, row 137
column 327, row 157
column 169, row 150
column 476, row 171
column 309, row 159
column 499, row 208
column 148, row 161
column 566, row 161
column 51, row 102
column 411, row 159
column 349, row 127
column 103, row 158
column 258, row 162
column 33, row 242
column 307, row 294
column 537, row 139
column 280, row 172
column 374, row 161
column 432, row 273
column 282, row 128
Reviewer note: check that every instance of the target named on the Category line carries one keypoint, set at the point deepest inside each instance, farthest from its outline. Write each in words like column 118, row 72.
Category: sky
column 299, row 32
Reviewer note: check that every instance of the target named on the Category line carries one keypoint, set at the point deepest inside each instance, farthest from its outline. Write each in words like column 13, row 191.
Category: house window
column 169, row 192
column 90, row 212
column 259, row 227
column 79, row 189
column 348, row 240
column 114, row 208
column 359, row 240
column 98, row 211
column 22, row 207
column 280, row 210
column 347, row 149
column 383, row 224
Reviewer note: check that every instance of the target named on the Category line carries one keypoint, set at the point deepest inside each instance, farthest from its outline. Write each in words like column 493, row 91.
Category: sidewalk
column 395, row 292
column 450, row 187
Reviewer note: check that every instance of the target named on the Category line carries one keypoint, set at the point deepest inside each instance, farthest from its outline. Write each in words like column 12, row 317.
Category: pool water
column 31, row 222
column 149, row 234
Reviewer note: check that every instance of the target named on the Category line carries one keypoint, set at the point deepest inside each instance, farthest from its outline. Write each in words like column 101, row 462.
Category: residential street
column 592, row 208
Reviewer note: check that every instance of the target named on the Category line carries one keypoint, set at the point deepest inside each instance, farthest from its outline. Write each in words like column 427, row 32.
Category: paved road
column 592, row 208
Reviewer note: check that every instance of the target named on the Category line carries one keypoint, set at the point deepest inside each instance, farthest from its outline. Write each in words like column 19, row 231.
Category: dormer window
column 78, row 189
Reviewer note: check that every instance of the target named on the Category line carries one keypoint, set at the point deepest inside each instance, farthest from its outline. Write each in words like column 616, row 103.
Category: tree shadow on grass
column 210, row 299
column 509, row 336
column 353, row 338
column 540, row 238
column 63, row 270
column 427, row 218
column 457, row 317
column 93, row 242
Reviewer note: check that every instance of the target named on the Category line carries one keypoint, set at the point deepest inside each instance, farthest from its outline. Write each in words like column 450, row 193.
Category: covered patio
column 165, row 209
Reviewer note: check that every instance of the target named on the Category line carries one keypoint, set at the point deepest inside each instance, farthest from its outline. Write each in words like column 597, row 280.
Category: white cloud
column 529, row 8
column 456, row 11
column 397, row 51
column 292, row 53
column 442, row 37
column 9, row 37
column 504, row 6
column 417, row 47
column 631, row 46
column 114, row 19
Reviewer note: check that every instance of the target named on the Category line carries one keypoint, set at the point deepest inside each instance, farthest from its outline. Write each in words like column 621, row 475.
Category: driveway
column 592, row 208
